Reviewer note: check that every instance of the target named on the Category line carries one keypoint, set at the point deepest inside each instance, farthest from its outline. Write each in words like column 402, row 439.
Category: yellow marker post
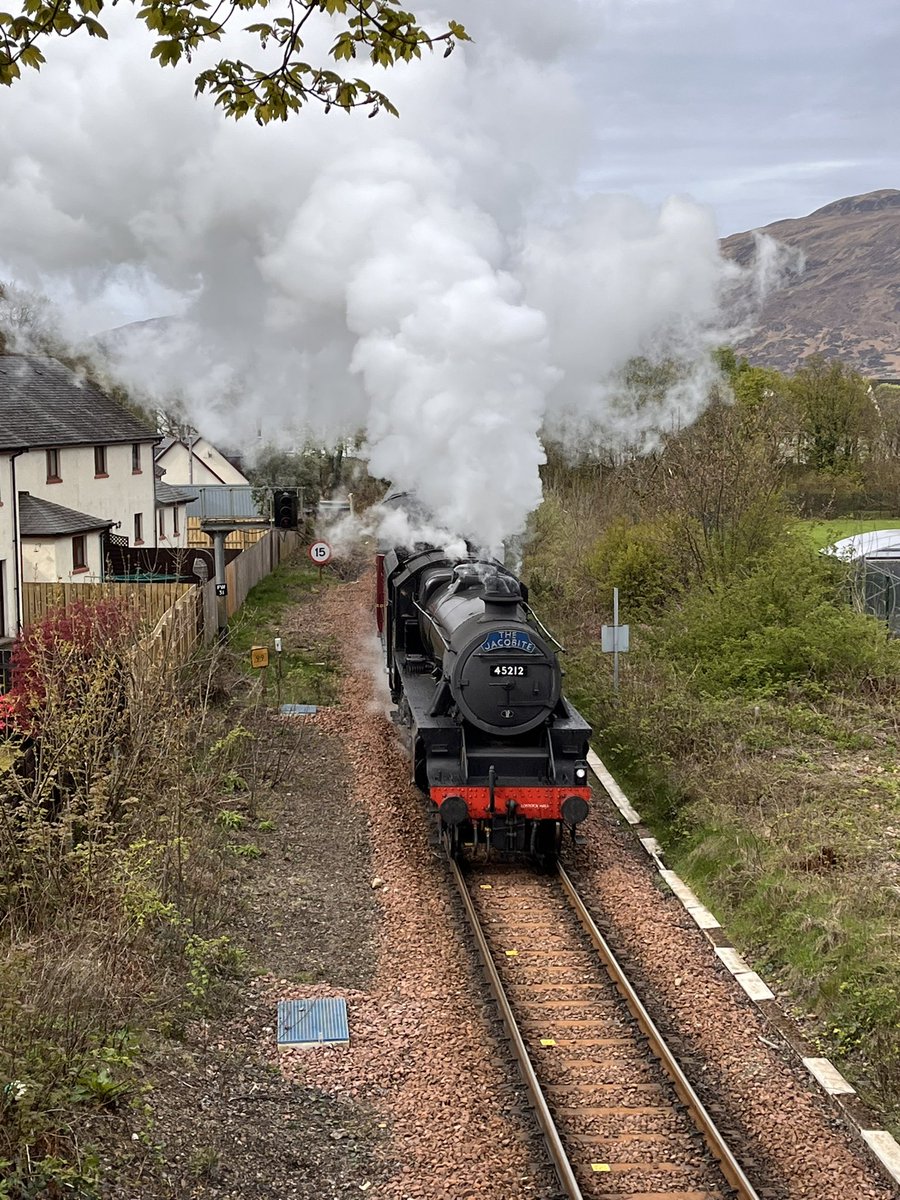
column 600, row 1167
column 511, row 953
column 486, row 887
column 259, row 656
column 548, row 1041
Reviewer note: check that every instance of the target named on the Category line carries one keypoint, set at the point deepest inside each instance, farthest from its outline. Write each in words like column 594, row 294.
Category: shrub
column 636, row 558
column 111, row 881
column 84, row 632
column 787, row 623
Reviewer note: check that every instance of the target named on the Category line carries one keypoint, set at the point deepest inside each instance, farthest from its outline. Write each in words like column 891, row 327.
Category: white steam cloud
column 439, row 282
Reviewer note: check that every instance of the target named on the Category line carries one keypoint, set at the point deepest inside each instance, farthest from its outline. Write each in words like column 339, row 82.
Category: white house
column 58, row 542
column 9, row 575
column 76, row 473
column 171, row 516
column 193, row 461
column 84, row 451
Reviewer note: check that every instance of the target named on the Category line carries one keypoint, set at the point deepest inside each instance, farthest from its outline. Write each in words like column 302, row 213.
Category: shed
column 875, row 556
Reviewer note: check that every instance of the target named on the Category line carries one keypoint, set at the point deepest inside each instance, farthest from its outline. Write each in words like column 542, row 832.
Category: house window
column 79, row 553
column 136, row 458
column 100, row 471
column 139, row 529
column 53, row 475
column 162, row 522
column 175, row 526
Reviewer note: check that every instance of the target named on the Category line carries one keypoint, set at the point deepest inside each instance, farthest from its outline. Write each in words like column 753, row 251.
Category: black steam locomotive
column 494, row 743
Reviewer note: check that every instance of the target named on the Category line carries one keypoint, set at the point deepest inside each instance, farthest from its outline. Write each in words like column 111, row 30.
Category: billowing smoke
column 439, row 283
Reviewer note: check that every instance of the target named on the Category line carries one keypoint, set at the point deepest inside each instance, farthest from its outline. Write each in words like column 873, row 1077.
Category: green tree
column 638, row 559
column 836, row 414
column 718, row 484
column 373, row 29
column 316, row 470
column 887, row 402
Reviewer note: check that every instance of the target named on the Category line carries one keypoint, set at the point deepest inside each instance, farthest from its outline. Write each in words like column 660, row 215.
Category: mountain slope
column 846, row 304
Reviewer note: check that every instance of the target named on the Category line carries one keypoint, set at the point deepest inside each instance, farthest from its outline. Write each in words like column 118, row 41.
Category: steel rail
column 729, row 1165
column 558, row 1155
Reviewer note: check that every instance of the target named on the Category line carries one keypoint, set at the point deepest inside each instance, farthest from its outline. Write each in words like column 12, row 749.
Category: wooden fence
column 179, row 616
column 254, row 564
column 151, row 600
column 178, row 631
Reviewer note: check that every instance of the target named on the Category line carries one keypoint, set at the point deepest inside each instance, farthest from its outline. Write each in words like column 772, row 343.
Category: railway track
column 619, row 1117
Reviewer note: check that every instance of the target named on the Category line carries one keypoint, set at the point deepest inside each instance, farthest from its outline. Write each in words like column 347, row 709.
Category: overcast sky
column 764, row 109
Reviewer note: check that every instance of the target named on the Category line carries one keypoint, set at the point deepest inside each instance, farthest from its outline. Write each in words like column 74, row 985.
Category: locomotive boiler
column 493, row 741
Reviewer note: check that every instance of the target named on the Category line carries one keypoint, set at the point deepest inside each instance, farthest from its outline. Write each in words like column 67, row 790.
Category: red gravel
column 420, row 1048
column 787, row 1133
column 421, row 1044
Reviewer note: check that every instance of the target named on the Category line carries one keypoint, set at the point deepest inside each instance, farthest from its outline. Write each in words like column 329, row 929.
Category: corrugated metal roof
column 42, row 518
column 313, row 1022
column 44, row 403
column 298, row 710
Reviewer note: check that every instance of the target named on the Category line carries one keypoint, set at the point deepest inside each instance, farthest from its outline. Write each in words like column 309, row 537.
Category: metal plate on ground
column 299, row 710
column 303, row 1023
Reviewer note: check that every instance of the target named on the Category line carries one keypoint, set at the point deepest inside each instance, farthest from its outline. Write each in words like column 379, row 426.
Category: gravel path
column 221, row 1121
column 421, row 1039
column 787, row 1134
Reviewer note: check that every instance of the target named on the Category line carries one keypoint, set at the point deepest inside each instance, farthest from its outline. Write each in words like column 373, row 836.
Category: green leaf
column 388, row 35
column 30, row 56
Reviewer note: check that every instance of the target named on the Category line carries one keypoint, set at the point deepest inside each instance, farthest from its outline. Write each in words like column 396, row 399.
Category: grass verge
column 305, row 671
column 784, row 815
column 819, row 534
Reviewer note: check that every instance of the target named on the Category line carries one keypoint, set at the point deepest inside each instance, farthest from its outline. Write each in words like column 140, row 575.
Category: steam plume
column 439, row 282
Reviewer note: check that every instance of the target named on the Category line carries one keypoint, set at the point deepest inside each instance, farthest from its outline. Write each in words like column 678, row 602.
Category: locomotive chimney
column 502, row 593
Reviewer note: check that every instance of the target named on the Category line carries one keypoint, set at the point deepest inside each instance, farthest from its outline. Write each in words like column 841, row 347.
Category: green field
column 823, row 533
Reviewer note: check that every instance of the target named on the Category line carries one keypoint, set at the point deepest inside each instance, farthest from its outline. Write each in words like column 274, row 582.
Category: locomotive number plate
column 509, row 670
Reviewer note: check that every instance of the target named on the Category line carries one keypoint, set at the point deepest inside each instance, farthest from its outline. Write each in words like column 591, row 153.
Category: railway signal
column 284, row 508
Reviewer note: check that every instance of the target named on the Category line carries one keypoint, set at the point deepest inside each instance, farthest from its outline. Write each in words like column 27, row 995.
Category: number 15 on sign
column 320, row 553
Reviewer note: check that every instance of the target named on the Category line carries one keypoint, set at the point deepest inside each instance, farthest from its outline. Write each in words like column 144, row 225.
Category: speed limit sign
column 320, row 553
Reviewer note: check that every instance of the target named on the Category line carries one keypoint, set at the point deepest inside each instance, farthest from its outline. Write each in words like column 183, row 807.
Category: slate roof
column 43, row 403
column 41, row 518
column 166, row 494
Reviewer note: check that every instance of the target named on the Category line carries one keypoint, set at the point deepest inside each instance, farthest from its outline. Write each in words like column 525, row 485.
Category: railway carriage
column 493, row 741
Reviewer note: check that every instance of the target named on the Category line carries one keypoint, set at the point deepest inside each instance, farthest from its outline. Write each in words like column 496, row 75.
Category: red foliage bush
column 78, row 634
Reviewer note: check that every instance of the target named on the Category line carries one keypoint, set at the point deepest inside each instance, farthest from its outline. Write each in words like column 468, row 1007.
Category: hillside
column 846, row 304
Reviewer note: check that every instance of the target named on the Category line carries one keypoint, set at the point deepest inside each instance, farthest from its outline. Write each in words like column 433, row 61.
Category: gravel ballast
column 788, row 1134
column 349, row 899
column 419, row 1050
column 421, row 1047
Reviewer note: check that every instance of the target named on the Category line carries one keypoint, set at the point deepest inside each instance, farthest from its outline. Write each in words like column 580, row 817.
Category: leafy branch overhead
column 273, row 87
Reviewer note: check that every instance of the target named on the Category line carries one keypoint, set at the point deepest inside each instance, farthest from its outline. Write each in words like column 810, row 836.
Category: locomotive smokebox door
column 507, row 678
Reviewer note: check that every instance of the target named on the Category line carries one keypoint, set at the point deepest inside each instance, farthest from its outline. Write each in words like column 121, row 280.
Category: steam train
column 493, row 742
